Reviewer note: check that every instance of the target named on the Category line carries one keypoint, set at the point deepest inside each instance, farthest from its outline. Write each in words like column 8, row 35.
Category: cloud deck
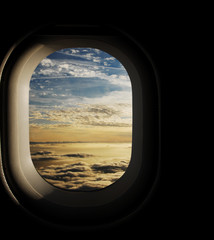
column 82, row 176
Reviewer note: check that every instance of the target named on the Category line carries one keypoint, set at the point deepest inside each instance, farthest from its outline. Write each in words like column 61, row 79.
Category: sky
column 80, row 94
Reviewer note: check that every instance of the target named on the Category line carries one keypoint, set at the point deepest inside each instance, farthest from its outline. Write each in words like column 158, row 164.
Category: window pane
column 80, row 119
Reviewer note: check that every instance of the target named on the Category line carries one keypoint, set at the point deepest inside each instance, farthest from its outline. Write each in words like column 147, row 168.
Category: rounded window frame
column 25, row 183
column 58, row 44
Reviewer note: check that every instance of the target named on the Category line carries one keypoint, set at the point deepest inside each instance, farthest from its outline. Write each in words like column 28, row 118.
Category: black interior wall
column 160, row 217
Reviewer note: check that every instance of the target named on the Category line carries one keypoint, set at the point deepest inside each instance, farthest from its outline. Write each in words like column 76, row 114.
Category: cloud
column 110, row 58
column 77, row 63
column 83, row 176
column 48, row 126
column 117, row 115
column 44, row 158
column 41, row 153
column 46, row 155
column 47, row 63
column 78, row 155
column 88, row 54
column 110, row 168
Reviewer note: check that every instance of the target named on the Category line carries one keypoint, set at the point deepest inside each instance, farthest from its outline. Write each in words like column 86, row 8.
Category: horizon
column 32, row 142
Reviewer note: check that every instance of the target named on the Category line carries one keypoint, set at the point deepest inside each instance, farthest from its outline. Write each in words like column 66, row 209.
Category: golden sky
column 83, row 134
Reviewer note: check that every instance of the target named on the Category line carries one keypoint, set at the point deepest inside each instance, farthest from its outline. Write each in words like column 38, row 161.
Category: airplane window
column 80, row 114
column 80, row 127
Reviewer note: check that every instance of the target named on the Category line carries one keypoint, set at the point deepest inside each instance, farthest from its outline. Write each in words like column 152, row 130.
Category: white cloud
column 47, row 62
column 75, row 51
column 66, row 66
column 116, row 115
column 97, row 60
column 109, row 58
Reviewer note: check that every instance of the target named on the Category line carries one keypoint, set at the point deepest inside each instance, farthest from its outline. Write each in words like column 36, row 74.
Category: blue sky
column 80, row 86
column 77, row 74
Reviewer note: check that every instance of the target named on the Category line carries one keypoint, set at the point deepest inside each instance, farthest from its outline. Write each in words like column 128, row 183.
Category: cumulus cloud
column 47, row 62
column 83, row 176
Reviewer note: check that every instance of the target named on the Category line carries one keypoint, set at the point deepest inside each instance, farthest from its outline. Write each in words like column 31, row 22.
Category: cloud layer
column 117, row 115
column 81, row 176
column 81, row 166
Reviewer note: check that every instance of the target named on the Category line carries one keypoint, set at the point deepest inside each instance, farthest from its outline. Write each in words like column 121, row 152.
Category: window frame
column 24, row 182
